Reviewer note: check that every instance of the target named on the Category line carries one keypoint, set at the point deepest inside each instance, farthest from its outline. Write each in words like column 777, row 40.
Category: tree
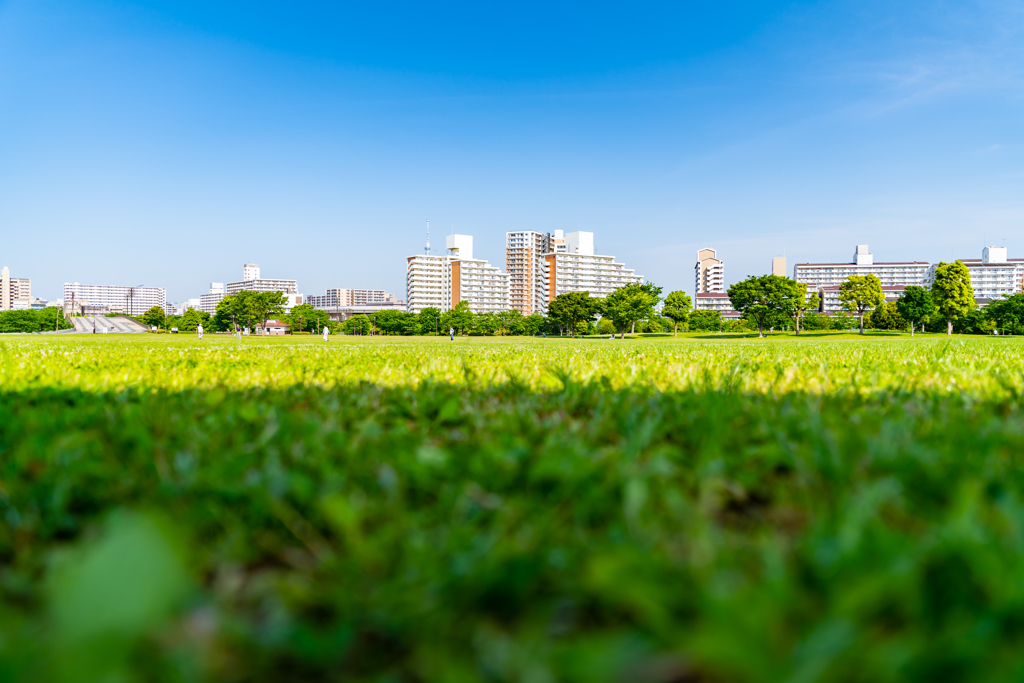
column 861, row 293
column 154, row 317
column 915, row 305
column 952, row 292
column 430, row 320
column 532, row 324
column 459, row 318
column 306, row 318
column 886, row 317
column 486, row 323
column 509, row 320
column 1008, row 313
column 357, row 324
column 763, row 299
column 572, row 308
column 799, row 304
column 705, row 321
column 677, row 309
column 630, row 303
column 265, row 304
column 191, row 319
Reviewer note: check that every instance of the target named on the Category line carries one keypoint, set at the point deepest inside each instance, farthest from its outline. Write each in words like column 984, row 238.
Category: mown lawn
column 389, row 509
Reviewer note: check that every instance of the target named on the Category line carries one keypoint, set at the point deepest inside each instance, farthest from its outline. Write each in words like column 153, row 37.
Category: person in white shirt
column 327, row 331
column 199, row 330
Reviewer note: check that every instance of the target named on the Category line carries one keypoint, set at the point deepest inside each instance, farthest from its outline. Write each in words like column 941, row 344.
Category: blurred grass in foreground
column 653, row 510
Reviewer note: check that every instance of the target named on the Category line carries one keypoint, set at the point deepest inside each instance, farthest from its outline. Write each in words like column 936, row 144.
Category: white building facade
column 993, row 276
column 715, row 301
column 574, row 267
column 115, row 298
column 252, row 282
column 443, row 282
column 891, row 274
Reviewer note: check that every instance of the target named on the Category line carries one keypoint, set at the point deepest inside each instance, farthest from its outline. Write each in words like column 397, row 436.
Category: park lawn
column 506, row 509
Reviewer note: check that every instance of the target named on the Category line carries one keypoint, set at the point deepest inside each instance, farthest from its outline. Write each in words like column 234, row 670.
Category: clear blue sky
column 164, row 143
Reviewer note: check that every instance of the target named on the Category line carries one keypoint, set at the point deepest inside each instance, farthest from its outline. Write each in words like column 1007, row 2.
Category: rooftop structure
column 779, row 266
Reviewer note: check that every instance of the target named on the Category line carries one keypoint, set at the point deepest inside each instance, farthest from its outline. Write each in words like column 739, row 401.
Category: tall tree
column 630, row 303
column 952, row 292
column 915, row 305
column 572, row 308
column 306, row 318
column 1008, row 312
column 430, row 320
column 763, row 299
column 861, row 293
column 798, row 304
column 266, row 304
column 459, row 318
column 154, row 317
column 677, row 309
column 509, row 320
column 191, row 318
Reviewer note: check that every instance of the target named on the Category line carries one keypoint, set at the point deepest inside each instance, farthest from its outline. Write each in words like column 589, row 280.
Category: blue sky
column 165, row 143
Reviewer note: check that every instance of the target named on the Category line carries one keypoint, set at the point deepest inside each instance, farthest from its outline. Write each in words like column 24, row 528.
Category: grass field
column 396, row 509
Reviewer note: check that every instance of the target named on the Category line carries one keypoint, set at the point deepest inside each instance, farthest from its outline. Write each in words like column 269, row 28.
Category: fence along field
column 507, row 510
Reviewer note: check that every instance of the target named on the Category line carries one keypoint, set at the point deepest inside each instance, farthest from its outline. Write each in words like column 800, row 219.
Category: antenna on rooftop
column 427, row 250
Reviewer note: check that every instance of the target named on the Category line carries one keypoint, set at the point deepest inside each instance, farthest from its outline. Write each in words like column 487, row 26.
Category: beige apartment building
column 15, row 292
column 709, row 273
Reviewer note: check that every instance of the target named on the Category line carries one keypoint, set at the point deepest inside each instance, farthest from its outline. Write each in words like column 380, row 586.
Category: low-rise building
column 274, row 327
column 715, row 301
column 335, row 298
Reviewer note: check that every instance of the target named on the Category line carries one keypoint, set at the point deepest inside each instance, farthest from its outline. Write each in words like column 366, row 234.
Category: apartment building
column 715, row 301
column 573, row 267
column 443, row 281
column 335, row 298
column 993, row 276
column 113, row 298
column 252, row 282
column 829, row 297
column 709, row 273
column 15, row 292
column 890, row 273
column 527, row 269
column 208, row 302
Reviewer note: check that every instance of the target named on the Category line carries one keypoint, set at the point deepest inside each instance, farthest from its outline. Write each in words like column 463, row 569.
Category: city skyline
column 160, row 143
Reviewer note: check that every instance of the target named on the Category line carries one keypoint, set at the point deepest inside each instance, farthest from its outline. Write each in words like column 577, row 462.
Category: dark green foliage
column 705, row 321
column 886, row 317
column 1007, row 313
column 154, row 317
column 43, row 320
column 572, row 309
column 766, row 300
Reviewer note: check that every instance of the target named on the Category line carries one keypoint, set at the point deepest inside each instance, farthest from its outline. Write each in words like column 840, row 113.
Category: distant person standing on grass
column 199, row 330
column 451, row 333
column 238, row 333
column 327, row 332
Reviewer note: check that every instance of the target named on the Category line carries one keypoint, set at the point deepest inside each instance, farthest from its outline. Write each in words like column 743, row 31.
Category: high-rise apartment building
column 527, row 270
column 542, row 265
column 15, row 292
column 573, row 266
column 208, row 302
column 443, row 281
column 114, row 298
column 993, row 276
column 251, row 271
column 709, row 273
column 891, row 273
